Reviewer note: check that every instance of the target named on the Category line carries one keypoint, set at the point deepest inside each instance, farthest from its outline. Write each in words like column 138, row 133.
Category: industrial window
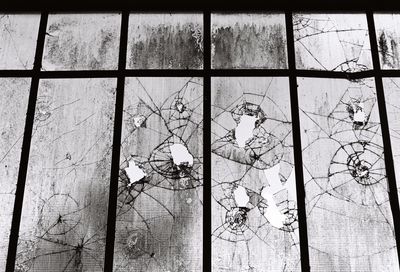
column 199, row 140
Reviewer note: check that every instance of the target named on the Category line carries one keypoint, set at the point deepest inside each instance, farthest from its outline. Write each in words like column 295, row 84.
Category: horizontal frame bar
column 199, row 73
column 283, row 5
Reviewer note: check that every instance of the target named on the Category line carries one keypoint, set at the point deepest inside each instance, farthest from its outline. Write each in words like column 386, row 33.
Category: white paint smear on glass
column 134, row 173
column 181, row 155
column 244, row 130
column 241, row 196
column 272, row 213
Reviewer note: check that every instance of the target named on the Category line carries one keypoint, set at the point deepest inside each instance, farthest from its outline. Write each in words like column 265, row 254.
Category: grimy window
column 200, row 140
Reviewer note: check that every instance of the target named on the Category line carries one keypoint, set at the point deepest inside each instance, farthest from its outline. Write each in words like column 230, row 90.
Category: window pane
column 64, row 215
column 165, row 41
column 18, row 34
column 350, row 225
column 248, row 41
column 337, row 42
column 159, row 210
column 13, row 106
column 392, row 98
column 388, row 38
column 254, row 208
column 82, row 42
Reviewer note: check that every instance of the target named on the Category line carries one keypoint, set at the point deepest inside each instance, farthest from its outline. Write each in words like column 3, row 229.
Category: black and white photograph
column 144, row 137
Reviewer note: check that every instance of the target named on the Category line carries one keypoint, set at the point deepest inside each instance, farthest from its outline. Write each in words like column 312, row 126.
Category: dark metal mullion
column 26, row 143
column 298, row 160
column 195, row 73
column 114, row 178
column 198, row 73
column 207, row 247
column 393, row 196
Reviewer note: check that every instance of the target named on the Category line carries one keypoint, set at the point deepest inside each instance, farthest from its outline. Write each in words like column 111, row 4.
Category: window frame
column 285, row 7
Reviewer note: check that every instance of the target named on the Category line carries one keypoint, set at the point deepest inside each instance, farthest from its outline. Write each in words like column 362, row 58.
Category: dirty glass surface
column 248, row 41
column 349, row 220
column 388, row 38
column 254, row 206
column 64, row 214
column 332, row 42
column 392, row 98
column 165, row 41
column 160, row 210
column 82, row 42
column 18, row 33
column 13, row 106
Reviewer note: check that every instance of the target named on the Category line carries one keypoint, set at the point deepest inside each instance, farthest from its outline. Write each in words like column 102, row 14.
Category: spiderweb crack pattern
column 334, row 42
column 347, row 203
column 244, row 237
column 159, row 217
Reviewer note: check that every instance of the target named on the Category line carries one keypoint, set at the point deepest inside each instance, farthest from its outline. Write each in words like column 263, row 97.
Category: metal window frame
column 206, row 73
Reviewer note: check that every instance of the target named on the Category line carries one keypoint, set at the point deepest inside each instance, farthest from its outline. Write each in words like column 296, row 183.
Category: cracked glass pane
column 349, row 219
column 159, row 210
column 392, row 98
column 254, row 206
column 18, row 34
column 332, row 42
column 82, row 42
column 165, row 41
column 388, row 38
column 64, row 215
column 248, row 41
column 13, row 106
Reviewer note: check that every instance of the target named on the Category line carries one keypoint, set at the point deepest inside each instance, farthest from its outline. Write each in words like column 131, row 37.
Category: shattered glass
column 159, row 216
column 64, row 214
column 13, row 106
column 332, row 42
column 392, row 98
column 254, row 206
column 349, row 219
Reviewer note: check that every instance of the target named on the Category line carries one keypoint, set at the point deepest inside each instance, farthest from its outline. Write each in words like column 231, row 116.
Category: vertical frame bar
column 26, row 144
column 207, row 247
column 119, row 104
column 298, row 160
column 387, row 147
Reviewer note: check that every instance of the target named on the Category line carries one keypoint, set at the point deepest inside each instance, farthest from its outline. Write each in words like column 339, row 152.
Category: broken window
column 334, row 42
column 13, row 105
column 392, row 98
column 118, row 104
column 349, row 219
column 64, row 216
column 254, row 207
column 160, row 209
